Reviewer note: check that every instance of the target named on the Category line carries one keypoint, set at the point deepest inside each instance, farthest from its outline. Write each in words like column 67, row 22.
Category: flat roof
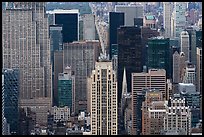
column 186, row 84
column 129, row 5
column 60, row 11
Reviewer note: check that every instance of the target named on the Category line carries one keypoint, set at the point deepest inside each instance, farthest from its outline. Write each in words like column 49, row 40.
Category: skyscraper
column 179, row 17
column 55, row 32
column 173, row 28
column 176, row 67
column 199, row 75
column 167, row 10
column 130, row 54
column 182, row 65
column 141, row 81
column 147, row 33
column 192, row 44
column 89, row 28
column 104, row 100
column 116, row 19
column 159, row 54
column 66, row 89
column 130, row 12
column 199, row 70
column 55, row 40
column 70, row 22
column 199, row 38
column 5, row 125
column 81, row 57
column 58, row 68
column 26, row 46
column 11, row 98
column 185, row 44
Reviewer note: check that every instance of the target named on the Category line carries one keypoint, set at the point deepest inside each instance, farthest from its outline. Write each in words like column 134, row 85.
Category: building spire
column 124, row 86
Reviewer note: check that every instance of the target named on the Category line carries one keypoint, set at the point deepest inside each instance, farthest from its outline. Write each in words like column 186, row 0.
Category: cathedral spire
column 124, row 86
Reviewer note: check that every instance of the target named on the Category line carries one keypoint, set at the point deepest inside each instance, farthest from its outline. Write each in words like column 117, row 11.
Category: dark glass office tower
column 66, row 89
column 58, row 68
column 192, row 44
column 116, row 19
column 199, row 38
column 70, row 22
column 159, row 54
column 130, row 52
column 56, row 37
column 55, row 32
column 11, row 96
column 147, row 33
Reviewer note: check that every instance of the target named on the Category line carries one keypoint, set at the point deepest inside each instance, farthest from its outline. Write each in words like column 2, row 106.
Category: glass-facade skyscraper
column 66, row 89
column 11, row 98
column 179, row 18
column 116, row 19
column 56, row 44
column 159, row 53
column 130, row 53
column 70, row 21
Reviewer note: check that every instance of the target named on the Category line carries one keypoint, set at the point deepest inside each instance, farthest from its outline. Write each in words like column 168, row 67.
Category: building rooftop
column 129, row 6
column 149, row 17
column 60, row 11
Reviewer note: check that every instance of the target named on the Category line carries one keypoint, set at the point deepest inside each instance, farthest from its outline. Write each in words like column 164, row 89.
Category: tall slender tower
column 199, row 75
column 182, row 65
column 124, row 90
column 179, row 17
column 185, row 44
column 103, row 100
column 199, row 69
column 167, row 18
column 26, row 46
column 124, row 86
column 123, row 102
column 116, row 19
column 192, row 44
column 176, row 67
